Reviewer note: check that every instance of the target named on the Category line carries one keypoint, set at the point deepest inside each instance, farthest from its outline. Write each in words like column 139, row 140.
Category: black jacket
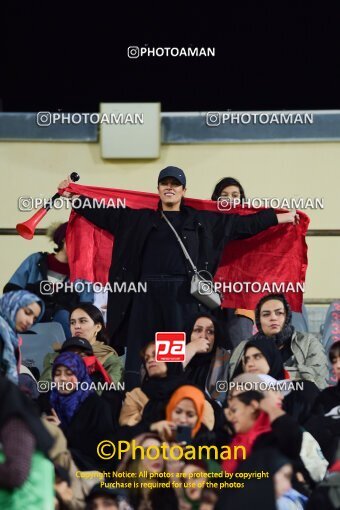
column 286, row 436
column 92, row 423
column 3, row 367
column 204, row 234
column 326, row 429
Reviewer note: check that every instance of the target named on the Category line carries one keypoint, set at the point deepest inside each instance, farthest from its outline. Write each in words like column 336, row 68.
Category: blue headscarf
column 66, row 405
column 10, row 303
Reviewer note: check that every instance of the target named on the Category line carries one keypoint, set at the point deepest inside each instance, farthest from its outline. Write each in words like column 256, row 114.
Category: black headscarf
column 15, row 403
column 257, row 493
column 272, row 355
column 161, row 388
column 197, row 369
column 159, row 391
column 284, row 336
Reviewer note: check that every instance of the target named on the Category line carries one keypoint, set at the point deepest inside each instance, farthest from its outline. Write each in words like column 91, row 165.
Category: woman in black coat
column 263, row 357
column 259, row 421
column 84, row 417
column 146, row 249
column 206, row 358
column 146, row 404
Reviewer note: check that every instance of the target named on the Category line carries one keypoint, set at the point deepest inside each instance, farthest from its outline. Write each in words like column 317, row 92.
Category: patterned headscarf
column 10, row 303
column 66, row 405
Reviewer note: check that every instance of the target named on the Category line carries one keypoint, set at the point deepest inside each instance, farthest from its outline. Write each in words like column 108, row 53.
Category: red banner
column 275, row 259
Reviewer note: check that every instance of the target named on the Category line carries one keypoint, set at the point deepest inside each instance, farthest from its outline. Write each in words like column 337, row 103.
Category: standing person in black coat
column 146, row 250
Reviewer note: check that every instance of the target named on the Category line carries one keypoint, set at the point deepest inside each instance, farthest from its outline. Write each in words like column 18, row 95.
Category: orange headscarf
column 192, row 393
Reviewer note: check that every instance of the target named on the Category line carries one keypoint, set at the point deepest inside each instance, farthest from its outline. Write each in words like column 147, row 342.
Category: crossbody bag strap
column 185, row 251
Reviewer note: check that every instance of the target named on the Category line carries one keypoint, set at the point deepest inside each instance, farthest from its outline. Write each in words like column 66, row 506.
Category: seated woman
column 52, row 268
column 302, row 354
column 82, row 347
column 146, row 470
column 84, row 417
column 267, row 493
column 187, row 407
column 26, row 474
column 96, row 371
column 263, row 357
column 18, row 312
column 147, row 403
column 87, row 322
column 238, row 322
column 206, row 360
column 285, row 432
column 259, row 422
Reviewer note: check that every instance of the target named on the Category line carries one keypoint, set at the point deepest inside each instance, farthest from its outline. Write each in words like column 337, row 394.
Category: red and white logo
column 170, row 346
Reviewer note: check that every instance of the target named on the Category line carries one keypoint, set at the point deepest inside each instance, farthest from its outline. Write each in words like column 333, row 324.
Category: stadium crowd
column 250, row 380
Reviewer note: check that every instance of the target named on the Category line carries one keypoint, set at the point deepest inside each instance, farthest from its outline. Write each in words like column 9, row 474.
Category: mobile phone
column 183, row 434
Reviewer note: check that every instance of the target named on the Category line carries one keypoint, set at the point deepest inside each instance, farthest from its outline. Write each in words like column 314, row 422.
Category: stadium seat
column 331, row 332
column 331, row 327
column 300, row 320
column 38, row 342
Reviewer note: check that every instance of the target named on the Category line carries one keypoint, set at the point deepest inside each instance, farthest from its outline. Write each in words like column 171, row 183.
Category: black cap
column 173, row 171
column 62, row 474
column 97, row 490
column 80, row 343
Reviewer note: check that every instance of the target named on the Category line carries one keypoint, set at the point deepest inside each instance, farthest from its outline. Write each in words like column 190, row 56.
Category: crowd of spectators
column 275, row 403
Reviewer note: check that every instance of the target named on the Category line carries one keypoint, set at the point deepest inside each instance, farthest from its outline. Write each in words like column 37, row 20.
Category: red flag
column 277, row 255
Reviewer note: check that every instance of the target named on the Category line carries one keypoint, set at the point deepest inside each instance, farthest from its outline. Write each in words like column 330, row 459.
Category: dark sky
column 73, row 57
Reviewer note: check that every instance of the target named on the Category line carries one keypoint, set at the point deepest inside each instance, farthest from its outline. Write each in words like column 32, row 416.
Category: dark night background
column 73, row 57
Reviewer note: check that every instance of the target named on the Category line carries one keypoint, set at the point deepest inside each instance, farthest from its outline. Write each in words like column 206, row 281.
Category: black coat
column 204, row 234
column 270, row 452
column 3, row 366
column 92, row 423
column 326, row 429
column 285, row 436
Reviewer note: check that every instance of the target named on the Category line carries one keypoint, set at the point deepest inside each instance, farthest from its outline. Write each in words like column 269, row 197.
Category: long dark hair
column 224, row 183
column 96, row 316
column 247, row 397
column 334, row 351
